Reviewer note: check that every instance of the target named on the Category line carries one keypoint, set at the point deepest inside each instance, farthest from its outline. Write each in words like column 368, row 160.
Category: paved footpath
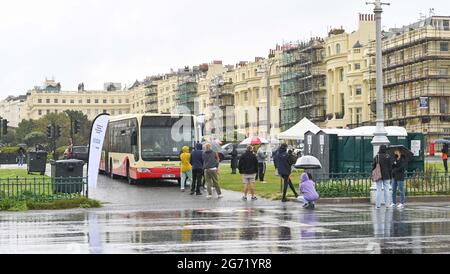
column 158, row 218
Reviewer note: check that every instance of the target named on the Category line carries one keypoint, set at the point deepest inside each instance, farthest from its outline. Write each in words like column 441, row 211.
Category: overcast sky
column 97, row 41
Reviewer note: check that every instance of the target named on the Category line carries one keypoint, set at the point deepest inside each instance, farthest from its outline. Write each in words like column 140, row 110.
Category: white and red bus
column 147, row 146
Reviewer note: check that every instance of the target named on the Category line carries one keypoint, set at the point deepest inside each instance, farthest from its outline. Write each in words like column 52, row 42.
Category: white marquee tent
column 298, row 131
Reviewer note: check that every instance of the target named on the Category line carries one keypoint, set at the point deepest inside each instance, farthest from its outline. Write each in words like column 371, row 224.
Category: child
column 186, row 167
column 308, row 189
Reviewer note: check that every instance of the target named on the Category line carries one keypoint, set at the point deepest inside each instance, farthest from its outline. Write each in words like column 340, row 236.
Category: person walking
column 234, row 160
column 445, row 157
column 197, row 169
column 385, row 162
column 186, row 167
column 284, row 163
column 261, row 155
column 248, row 168
column 20, row 156
column 398, row 180
column 211, row 167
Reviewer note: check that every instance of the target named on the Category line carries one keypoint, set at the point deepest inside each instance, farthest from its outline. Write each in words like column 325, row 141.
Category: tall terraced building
column 416, row 63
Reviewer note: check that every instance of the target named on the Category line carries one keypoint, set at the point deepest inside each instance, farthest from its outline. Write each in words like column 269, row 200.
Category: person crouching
column 308, row 189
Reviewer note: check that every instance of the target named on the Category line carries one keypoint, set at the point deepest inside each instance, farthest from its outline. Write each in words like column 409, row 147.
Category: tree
column 34, row 138
column 82, row 138
column 61, row 119
column 25, row 127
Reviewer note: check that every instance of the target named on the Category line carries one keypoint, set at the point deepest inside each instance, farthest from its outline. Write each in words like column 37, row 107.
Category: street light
column 380, row 134
column 265, row 69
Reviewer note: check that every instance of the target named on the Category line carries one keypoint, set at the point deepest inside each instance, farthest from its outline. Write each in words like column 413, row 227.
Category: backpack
column 376, row 173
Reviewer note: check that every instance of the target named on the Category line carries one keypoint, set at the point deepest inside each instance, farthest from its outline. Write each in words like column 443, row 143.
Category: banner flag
column 98, row 133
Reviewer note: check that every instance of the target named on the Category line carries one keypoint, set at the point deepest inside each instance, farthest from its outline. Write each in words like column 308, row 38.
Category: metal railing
column 43, row 188
column 339, row 185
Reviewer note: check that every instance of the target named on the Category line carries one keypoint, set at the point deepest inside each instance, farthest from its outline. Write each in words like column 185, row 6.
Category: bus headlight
column 144, row 170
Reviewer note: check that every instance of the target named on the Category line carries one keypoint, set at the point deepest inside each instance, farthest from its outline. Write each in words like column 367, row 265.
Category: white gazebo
column 298, row 131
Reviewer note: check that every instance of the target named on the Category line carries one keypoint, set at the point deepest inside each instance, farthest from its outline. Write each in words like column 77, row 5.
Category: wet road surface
column 247, row 229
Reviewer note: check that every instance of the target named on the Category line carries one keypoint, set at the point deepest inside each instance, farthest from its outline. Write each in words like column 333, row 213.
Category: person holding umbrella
column 261, row 155
column 398, row 180
column 284, row 163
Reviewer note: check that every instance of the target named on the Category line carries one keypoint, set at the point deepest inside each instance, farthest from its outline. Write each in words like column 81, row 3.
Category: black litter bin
column 67, row 176
column 36, row 162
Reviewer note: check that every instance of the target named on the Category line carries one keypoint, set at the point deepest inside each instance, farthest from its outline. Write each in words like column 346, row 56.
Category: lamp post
column 266, row 69
column 380, row 134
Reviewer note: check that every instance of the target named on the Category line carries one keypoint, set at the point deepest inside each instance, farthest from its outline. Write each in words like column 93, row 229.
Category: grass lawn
column 20, row 191
column 270, row 190
column 16, row 181
column 21, row 173
column 435, row 167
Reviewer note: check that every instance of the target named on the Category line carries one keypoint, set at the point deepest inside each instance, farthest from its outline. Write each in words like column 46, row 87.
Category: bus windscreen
column 157, row 141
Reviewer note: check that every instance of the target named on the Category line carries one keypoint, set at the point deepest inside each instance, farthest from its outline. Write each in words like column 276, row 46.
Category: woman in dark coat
column 234, row 160
column 398, row 181
column 283, row 163
column 386, row 162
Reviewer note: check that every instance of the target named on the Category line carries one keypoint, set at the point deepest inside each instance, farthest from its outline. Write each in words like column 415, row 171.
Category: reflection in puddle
column 240, row 230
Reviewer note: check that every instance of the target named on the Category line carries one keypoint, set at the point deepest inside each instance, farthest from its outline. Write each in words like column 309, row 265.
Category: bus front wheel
column 111, row 172
column 130, row 180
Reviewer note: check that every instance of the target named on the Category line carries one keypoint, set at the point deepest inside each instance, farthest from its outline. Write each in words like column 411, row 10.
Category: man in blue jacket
column 283, row 163
column 197, row 169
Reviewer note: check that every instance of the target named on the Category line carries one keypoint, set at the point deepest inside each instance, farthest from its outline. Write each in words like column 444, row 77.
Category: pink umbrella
column 254, row 141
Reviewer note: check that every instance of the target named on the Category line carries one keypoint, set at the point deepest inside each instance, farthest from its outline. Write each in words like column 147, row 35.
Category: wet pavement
column 246, row 229
column 157, row 218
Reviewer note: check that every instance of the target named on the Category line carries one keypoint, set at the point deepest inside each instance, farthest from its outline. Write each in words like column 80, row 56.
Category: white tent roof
column 298, row 131
column 367, row 131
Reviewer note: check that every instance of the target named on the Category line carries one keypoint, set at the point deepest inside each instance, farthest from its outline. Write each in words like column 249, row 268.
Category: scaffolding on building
column 188, row 90
column 416, row 77
column 303, row 83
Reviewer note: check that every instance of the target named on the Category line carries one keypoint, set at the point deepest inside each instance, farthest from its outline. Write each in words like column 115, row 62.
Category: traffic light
column 58, row 132
column 50, row 131
column 77, row 126
column 5, row 126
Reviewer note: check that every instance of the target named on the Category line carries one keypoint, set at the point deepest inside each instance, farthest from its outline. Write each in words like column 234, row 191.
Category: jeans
column 197, row 175
column 401, row 189
column 20, row 160
column 445, row 165
column 380, row 184
column 261, row 172
column 288, row 183
column 212, row 180
column 184, row 177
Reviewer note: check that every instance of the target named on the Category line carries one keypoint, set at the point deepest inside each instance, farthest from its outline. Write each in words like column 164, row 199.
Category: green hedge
column 9, row 150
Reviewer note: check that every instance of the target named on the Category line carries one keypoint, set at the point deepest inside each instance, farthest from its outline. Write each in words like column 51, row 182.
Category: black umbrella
column 404, row 151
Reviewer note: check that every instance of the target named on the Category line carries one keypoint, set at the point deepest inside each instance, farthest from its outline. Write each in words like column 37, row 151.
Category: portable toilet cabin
column 323, row 146
column 308, row 143
column 416, row 143
column 356, row 152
